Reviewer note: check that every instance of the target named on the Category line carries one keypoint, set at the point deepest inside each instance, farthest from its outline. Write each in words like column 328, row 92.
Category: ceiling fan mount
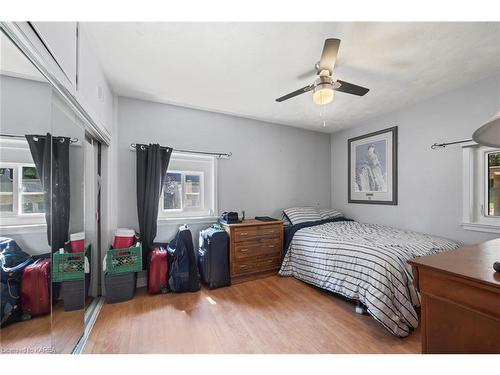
column 324, row 86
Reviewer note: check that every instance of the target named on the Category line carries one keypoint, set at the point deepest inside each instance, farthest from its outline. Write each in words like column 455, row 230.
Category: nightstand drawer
column 249, row 249
column 255, row 265
column 245, row 234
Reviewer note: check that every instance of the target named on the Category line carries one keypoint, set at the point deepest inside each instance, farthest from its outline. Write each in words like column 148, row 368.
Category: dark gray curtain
column 51, row 157
column 152, row 163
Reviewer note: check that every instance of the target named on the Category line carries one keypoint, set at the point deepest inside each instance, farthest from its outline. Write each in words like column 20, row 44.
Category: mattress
column 365, row 262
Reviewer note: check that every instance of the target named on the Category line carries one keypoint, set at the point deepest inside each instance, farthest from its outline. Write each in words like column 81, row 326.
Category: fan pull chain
column 322, row 111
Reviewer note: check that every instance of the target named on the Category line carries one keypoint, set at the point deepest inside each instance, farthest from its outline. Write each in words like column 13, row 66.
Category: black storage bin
column 73, row 295
column 120, row 287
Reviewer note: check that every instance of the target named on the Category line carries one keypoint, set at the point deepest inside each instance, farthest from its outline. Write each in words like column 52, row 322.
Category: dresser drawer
column 255, row 265
column 257, row 248
column 250, row 233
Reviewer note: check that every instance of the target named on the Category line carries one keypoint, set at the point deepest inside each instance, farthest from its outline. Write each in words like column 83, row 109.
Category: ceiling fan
column 325, row 85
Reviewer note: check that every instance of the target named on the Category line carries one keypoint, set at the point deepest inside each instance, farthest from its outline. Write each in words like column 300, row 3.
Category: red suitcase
column 35, row 289
column 158, row 270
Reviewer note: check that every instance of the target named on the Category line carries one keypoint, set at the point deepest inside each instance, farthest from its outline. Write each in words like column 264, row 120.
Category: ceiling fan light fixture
column 323, row 94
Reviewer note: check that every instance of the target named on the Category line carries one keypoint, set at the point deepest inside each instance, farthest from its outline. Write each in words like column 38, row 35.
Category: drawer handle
column 243, row 250
column 243, row 266
column 243, row 233
column 271, row 245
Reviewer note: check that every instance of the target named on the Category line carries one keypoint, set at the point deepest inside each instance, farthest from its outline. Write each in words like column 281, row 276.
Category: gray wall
column 272, row 167
column 29, row 107
column 430, row 181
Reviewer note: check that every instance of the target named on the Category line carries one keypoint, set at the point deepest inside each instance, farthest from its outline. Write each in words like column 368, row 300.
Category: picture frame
column 373, row 167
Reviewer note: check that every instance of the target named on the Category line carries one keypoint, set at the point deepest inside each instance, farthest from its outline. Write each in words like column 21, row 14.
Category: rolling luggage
column 213, row 258
column 184, row 275
column 35, row 289
column 10, row 292
column 158, row 270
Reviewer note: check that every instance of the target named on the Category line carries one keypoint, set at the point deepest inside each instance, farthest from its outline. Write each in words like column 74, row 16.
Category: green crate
column 124, row 260
column 68, row 266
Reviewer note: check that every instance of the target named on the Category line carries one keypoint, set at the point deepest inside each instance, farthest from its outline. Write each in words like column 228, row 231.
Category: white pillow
column 328, row 213
column 298, row 215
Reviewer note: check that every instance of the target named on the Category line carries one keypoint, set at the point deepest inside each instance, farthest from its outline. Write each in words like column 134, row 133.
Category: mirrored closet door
column 44, row 252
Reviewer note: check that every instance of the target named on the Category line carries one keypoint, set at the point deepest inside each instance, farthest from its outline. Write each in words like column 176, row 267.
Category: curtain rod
column 226, row 155
column 437, row 145
column 71, row 140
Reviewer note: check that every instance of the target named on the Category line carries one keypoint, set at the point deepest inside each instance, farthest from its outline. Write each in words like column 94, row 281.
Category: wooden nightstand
column 255, row 249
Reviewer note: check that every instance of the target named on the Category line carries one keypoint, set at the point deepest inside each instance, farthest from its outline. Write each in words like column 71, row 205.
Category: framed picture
column 373, row 167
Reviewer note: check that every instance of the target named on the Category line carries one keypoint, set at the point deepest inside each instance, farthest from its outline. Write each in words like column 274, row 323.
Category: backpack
column 10, row 253
column 184, row 275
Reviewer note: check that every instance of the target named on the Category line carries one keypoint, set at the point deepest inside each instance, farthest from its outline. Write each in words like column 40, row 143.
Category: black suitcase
column 213, row 258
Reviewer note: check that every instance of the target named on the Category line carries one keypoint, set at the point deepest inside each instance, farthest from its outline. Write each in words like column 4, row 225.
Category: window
column 493, row 182
column 189, row 187
column 481, row 188
column 21, row 195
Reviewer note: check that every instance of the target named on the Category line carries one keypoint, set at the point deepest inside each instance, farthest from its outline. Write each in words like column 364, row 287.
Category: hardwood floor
column 30, row 336
column 270, row 315
column 58, row 333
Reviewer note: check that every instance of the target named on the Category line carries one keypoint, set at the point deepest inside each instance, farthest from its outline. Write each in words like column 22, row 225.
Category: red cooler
column 124, row 238
column 77, row 241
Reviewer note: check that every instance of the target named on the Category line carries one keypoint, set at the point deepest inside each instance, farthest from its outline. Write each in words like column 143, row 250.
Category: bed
column 364, row 262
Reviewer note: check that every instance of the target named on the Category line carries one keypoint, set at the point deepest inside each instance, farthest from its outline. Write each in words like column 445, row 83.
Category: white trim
column 22, row 229
column 478, row 227
column 162, row 221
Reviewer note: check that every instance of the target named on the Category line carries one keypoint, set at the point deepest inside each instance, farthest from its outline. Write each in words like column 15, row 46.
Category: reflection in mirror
column 25, row 253
column 68, row 228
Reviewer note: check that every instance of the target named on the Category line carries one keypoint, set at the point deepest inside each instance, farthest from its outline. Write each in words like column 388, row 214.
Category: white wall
column 272, row 167
column 430, row 181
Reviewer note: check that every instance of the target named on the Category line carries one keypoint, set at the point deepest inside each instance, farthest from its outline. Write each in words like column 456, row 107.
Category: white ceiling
column 241, row 68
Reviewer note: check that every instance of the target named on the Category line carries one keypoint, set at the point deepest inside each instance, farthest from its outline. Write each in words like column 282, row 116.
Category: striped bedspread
column 365, row 262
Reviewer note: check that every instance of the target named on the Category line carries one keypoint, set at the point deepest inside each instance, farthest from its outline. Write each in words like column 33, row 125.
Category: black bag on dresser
column 213, row 258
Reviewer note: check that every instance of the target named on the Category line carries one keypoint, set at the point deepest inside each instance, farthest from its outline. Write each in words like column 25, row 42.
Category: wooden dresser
column 460, row 292
column 255, row 248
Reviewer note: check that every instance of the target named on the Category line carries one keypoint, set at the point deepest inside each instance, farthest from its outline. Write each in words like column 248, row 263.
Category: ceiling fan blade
column 350, row 88
column 329, row 55
column 295, row 93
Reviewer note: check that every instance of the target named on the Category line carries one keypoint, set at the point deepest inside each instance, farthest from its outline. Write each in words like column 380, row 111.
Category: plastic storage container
column 124, row 260
column 120, row 287
column 77, row 242
column 68, row 266
column 124, row 238
column 73, row 295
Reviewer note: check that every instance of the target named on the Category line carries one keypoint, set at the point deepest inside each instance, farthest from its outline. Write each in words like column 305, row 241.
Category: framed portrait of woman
column 372, row 167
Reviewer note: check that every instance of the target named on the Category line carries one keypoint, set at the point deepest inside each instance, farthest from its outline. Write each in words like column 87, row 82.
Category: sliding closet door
column 25, row 295
column 68, row 223
column 92, row 216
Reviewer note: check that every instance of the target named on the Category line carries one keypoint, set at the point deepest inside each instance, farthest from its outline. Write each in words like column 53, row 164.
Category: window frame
column 207, row 192
column 475, row 189
column 17, row 217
